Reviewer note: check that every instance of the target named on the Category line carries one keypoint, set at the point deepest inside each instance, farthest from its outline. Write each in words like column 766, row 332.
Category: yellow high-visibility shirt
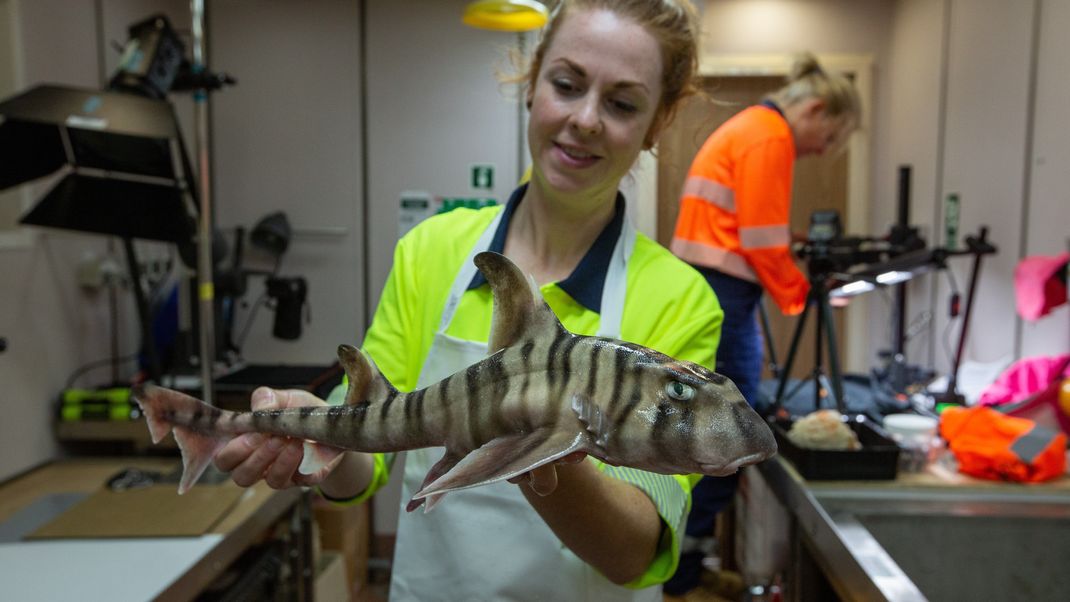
column 668, row 307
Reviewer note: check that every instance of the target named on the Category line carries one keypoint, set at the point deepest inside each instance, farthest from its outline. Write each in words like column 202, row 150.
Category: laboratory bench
column 935, row 534
column 65, row 534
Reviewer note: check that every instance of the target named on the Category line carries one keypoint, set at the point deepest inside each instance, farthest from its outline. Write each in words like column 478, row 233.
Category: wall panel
column 988, row 100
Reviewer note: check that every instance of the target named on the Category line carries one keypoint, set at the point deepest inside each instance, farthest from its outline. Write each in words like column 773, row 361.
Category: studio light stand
column 122, row 163
column 119, row 158
column 829, row 257
column 831, row 383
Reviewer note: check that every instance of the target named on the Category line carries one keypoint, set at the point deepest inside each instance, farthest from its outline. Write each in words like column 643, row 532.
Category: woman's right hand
column 254, row 456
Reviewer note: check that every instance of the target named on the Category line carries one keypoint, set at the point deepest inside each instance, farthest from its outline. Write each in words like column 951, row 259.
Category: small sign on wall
column 482, row 177
column 414, row 206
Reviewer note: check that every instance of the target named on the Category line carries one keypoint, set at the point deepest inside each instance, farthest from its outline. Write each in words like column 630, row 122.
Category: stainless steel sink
column 908, row 540
column 955, row 546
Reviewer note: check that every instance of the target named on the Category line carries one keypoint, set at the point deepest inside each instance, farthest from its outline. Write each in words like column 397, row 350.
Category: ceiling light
column 505, row 15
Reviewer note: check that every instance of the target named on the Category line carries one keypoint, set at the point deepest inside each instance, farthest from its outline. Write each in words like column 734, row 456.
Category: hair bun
column 804, row 64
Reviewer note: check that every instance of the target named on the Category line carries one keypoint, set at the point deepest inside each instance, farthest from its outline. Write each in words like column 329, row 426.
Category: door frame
column 858, row 66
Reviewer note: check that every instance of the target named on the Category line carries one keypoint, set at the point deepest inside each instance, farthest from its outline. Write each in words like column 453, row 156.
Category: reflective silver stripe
column 761, row 237
column 711, row 192
column 1029, row 445
column 713, row 257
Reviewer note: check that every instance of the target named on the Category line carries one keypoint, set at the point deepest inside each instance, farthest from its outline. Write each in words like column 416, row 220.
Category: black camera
column 290, row 295
column 824, row 227
column 827, row 251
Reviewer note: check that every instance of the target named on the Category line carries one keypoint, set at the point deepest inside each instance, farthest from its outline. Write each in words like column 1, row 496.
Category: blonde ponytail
column 808, row 79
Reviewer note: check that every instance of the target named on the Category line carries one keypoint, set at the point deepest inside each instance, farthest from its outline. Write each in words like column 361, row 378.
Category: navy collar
column 585, row 283
column 772, row 105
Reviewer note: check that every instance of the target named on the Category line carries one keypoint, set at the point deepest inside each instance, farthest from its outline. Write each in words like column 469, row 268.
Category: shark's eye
column 680, row 391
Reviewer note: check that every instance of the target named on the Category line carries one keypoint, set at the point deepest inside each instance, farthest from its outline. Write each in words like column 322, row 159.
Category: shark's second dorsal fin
column 518, row 305
column 359, row 371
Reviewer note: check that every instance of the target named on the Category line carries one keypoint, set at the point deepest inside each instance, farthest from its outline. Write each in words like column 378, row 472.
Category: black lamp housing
column 152, row 58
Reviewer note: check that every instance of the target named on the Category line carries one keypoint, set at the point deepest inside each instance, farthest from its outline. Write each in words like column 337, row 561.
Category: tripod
column 832, row 383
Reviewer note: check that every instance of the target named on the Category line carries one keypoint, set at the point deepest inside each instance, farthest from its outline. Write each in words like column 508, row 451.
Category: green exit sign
column 482, row 177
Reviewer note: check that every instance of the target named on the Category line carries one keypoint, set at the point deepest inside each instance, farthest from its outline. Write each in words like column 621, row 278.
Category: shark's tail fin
column 170, row 411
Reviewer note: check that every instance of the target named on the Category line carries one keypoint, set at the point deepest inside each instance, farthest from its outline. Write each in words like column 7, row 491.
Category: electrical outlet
column 94, row 272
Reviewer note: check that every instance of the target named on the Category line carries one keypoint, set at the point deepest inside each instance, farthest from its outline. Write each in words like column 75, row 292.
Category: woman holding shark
column 604, row 80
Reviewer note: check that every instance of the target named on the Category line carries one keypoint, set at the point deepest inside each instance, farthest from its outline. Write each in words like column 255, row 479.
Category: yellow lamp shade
column 505, row 15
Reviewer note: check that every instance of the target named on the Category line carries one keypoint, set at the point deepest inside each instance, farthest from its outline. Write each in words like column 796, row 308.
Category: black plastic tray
column 877, row 460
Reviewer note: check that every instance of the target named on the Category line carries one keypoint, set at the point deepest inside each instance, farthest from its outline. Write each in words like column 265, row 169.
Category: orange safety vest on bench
column 736, row 206
column 992, row 445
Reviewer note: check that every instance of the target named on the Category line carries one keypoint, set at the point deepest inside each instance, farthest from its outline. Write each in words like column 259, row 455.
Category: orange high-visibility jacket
column 991, row 445
column 736, row 206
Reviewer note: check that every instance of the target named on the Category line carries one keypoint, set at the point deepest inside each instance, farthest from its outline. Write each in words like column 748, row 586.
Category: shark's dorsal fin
column 359, row 370
column 519, row 309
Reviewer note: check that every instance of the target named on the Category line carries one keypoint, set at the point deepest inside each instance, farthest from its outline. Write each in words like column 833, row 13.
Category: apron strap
column 467, row 272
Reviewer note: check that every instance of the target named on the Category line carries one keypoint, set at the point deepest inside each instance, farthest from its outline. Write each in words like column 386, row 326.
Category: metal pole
column 521, row 105
column 205, row 286
column 785, row 370
column 977, row 246
column 835, row 373
column 763, row 315
column 899, row 345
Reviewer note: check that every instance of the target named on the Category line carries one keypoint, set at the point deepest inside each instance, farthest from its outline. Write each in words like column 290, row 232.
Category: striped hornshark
column 543, row 393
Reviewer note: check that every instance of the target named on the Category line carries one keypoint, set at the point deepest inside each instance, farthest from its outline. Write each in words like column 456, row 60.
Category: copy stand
column 832, row 383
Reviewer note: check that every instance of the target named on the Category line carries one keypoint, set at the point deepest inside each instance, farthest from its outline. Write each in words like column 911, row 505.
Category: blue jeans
column 739, row 357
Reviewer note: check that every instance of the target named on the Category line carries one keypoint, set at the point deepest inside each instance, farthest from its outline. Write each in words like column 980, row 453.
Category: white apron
column 487, row 543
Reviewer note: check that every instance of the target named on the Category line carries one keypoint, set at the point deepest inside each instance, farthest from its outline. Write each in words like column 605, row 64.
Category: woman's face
column 816, row 132
column 593, row 102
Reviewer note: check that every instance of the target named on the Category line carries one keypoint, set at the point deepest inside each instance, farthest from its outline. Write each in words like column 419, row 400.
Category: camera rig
column 830, row 255
column 842, row 266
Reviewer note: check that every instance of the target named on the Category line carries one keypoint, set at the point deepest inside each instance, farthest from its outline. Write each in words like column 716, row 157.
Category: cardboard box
column 331, row 583
column 346, row 530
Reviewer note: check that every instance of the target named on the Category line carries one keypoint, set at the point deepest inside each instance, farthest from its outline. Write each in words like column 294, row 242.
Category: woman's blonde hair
column 673, row 23
column 807, row 79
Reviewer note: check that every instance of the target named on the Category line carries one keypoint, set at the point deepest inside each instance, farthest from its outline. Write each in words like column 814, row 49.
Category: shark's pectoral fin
column 506, row 457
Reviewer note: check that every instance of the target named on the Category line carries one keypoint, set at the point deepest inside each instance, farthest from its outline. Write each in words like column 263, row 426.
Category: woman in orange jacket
column 733, row 227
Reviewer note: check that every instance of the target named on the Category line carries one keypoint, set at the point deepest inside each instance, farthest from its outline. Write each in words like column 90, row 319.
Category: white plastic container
column 916, row 436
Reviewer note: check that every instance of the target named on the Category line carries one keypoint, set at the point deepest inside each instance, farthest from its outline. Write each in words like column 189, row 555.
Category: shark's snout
column 757, row 437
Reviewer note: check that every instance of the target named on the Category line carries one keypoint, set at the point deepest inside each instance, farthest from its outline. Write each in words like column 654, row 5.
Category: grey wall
column 979, row 91
column 435, row 108
column 287, row 138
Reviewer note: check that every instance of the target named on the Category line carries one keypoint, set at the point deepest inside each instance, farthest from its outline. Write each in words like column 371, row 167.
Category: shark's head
column 686, row 419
